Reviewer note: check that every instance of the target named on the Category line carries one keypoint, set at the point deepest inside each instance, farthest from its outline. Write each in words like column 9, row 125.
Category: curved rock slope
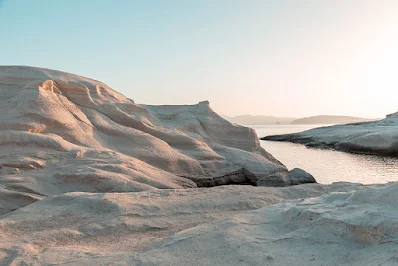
column 155, row 227
column 312, row 224
column 379, row 137
column 62, row 133
column 349, row 228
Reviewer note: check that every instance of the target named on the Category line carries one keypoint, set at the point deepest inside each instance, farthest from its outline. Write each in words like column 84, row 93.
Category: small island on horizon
column 311, row 120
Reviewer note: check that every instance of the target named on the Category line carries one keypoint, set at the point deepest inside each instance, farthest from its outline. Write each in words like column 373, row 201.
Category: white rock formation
column 141, row 228
column 312, row 224
column 88, row 177
column 63, row 133
column 379, row 137
column 351, row 228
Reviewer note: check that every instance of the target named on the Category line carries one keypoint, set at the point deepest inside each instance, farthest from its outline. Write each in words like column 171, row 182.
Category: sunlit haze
column 281, row 58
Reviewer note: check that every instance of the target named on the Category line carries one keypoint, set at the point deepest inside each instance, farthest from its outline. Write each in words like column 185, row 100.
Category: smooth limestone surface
column 88, row 177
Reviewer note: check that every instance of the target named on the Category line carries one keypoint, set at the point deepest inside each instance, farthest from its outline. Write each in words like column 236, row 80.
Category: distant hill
column 259, row 120
column 330, row 119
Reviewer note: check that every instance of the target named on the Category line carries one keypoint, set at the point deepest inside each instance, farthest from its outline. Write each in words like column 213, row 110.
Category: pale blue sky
column 276, row 57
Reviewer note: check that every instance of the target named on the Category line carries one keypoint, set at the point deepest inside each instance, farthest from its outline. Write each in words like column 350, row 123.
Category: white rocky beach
column 198, row 133
column 376, row 137
column 89, row 177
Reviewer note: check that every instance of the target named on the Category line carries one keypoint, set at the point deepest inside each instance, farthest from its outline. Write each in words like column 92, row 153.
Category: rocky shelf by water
column 376, row 138
column 89, row 177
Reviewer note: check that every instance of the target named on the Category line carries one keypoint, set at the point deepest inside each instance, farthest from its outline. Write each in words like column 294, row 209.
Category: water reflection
column 328, row 166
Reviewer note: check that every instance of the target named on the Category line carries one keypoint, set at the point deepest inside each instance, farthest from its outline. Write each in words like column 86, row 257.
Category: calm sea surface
column 328, row 166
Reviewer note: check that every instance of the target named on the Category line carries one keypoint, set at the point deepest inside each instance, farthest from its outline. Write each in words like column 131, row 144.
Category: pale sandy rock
column 379, row 137
column 99, row 228
column 351, row 228
column 88, row 177
column 11, row 200
column 355, row 225
column 62, row 133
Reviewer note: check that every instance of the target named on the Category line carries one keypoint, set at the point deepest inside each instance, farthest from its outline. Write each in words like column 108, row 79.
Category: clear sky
column 276, row 57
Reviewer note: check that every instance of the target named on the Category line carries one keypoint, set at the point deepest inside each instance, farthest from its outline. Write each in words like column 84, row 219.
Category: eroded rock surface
column 88, row 177
column 63, row 133
column 311, row 224
column 377, row 138
column 344, row 228
column 295, row 176
column 81, row 228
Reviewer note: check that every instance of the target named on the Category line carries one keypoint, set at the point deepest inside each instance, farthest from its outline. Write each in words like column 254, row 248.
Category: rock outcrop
column 312, row 224
column 62, row 133
column 88, row 177
column 293, row 177
column 346, row 228
column 377, row 138
column 160, row 227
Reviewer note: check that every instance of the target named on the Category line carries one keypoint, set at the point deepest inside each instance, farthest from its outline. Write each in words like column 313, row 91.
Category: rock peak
column 205, row 102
